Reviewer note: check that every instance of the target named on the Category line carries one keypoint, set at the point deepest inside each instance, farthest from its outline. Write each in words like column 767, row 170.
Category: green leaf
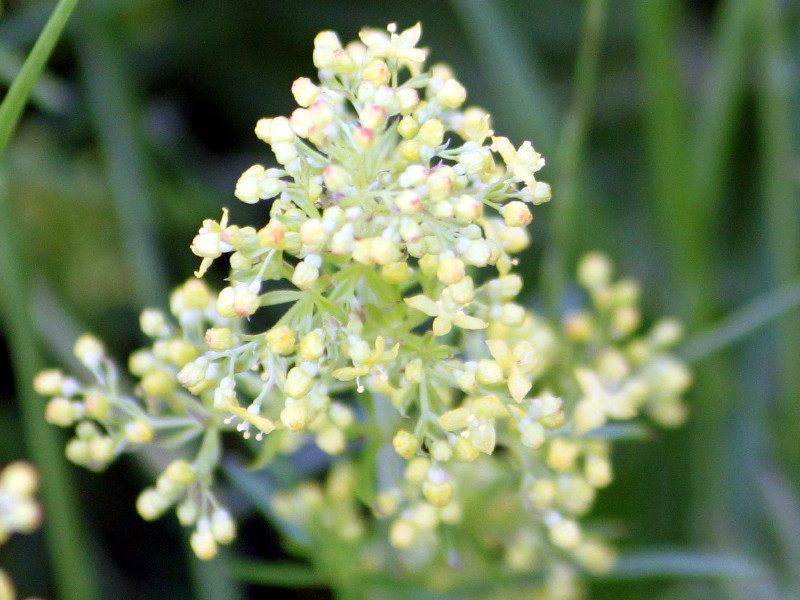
column 281, row 297
column 383, row 292
column 326, row 306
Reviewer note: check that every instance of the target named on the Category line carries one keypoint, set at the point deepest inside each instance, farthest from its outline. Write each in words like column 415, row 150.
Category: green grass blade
column 569, row 156
column 679, row 563
column 507, row 66
column 665, row 118
column 721, row 105
column 67, row 536
column 781, row 206
column 22, row 87
column 114, row 114
column 781, row 510
column 49, row 93
column 742, row 322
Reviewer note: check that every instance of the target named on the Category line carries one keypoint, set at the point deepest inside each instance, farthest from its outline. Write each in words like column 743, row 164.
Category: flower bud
column 431, row 133
column 304, row 91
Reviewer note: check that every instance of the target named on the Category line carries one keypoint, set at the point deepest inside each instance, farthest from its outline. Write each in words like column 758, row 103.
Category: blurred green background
column 671, row 134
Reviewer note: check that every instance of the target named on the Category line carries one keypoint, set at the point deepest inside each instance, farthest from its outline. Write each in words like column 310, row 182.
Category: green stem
column 570, row 152
column 22, row 87
column 66, row 531
column 781, row 206
column 742, row 322
column 113, row 111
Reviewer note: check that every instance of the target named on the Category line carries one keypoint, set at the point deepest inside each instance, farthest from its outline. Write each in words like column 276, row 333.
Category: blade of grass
column 66, row 532
column 114, row 115
column 665, row 117
column 680, row 563
column 569, row 155
column 507, row 66
column 71, row 556
column 49, row 93
column 721, row 103
column 781, row 208
column 23, row 85
column 691, row 253
column 782, row 512
column 742, row 322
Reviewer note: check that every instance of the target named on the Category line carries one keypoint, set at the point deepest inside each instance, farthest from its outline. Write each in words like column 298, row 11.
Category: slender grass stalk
column 22, row 87
column 665, row 122
column 781, row 208
column 743, row 322
column 721, row 103
column 569, row 156
column 689, row 240
column 113, row 112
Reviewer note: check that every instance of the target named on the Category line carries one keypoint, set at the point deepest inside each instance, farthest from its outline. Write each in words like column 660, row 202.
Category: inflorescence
column 395, row 214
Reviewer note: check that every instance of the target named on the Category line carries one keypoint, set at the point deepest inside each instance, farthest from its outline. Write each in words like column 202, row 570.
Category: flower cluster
column 394, row 218
column 20, row 512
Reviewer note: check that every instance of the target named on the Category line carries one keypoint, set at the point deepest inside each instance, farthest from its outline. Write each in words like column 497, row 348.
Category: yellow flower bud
column 594, row 270
column 331, row 440
column 203, row 544
column 223, row 528
column 273, row 235
column 139, row 432
column 298, row 383
column 438, row 488
column 465, row 450
column 312, row 345
column 49, row 382
column 405, row 444
column 408, row 127
column 180, row 471
column 101, row 450
column 431, row 133
column 402, row 534
column 219, row 339
column 452, row 94
column 305, row 275
column 409, row 150
column 396, row 272
column 566, row 534
column 407, row 100
column 517, row 214
column 89, row 350
column 562, row 454
column 514, row 239
column 61, row 412
column 281, row 339
column 304, row 91
column 377, row 72
column 296, row 415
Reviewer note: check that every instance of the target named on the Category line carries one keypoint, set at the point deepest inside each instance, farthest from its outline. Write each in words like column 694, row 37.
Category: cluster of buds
column 394, row 218
column 20, row 511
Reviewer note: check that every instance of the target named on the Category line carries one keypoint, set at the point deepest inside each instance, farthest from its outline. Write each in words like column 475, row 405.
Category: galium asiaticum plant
column 467, row 435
